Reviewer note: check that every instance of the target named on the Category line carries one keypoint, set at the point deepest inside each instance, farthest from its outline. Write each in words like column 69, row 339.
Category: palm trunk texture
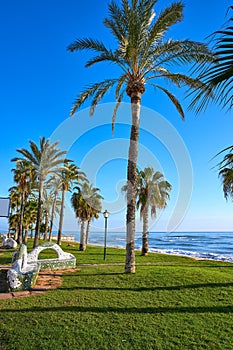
column 61, row 216
column 38, row 218
column 82, row 245
column 145, row 232
column 20, row 235
column 131, row 183
column 52, row 217
column 88, row 230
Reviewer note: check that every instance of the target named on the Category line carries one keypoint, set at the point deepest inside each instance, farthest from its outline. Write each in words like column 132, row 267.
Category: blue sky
column 39, row 80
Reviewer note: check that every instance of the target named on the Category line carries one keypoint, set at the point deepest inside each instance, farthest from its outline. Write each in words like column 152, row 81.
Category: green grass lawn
column 169, row 303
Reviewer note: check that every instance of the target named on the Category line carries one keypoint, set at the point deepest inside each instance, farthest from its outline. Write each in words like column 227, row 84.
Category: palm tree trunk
column 46, row 225
column 145, row 231
column 25, row 239
column 38, row 218
column 52, row 216
column 20, row 235
column 61, row 215
column 82, row 245
column 16, row 233
column 88, row 230
column 131, row 183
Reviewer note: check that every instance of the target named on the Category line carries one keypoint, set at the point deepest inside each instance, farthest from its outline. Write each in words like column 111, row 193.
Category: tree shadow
column 151, row 289
column 129, row 310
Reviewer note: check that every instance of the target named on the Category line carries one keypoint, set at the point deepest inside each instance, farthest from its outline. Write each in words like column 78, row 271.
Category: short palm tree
column 153, row 193
column 30, row 214
column 13, row 220
column 71, row 174
column 15, row 203
column 45, row 159
column 81, row 210
column 94, row 200
column 143, row 56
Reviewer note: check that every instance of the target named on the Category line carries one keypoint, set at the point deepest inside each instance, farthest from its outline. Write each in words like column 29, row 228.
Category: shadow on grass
column 93, row 274
column 130, row 310
column 152, row 289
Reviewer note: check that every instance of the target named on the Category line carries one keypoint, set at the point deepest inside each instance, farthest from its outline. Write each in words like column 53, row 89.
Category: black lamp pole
column 105, row 232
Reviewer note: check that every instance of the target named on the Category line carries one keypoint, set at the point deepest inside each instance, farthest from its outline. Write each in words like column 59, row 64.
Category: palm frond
column 90, row 91
column 117, row 105
column 110, row 56
column 87, row 44
column 219, row 76
column 100, row 92
column 172, row 98
column 168, row 17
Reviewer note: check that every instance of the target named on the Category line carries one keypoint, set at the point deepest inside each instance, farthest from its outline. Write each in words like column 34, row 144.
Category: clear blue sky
column 39, row 80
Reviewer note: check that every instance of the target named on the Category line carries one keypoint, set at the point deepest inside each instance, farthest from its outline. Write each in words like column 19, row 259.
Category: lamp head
column 106, row 213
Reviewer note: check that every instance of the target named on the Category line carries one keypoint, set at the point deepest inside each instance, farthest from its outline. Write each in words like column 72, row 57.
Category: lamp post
column 106, row 213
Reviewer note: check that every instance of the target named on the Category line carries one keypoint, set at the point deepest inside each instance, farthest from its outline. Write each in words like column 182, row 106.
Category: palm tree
column 46, row 159
column 47, row 205
column 218, row 76
column 14, row 218
column 30, row 214
column 94, row 204
column 69, row 175
column 81, row 210
column 226, row 172
column 54, row 185
column 153, row 192
column 24, row 176
column 144, row 56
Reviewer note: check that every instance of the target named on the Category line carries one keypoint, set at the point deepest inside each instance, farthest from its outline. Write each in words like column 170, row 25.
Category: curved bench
column 26, row 267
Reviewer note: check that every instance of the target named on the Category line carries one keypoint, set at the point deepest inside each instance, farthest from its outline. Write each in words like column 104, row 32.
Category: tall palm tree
column 46, row 159
column 218, row 76
column 25, row 177
column 153, row 192
column 69, row 175
column 144, row 56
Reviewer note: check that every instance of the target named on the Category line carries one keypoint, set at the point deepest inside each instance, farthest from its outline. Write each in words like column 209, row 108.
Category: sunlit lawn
column 170, row 303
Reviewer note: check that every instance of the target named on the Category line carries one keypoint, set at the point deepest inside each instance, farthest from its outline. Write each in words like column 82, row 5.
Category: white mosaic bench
column 26, row 266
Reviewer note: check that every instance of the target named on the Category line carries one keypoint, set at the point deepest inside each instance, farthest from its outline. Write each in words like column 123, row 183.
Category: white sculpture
column 8, row 242
column 17, row 274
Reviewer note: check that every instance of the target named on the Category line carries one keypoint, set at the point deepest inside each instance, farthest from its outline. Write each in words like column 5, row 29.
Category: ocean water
column 203, row 245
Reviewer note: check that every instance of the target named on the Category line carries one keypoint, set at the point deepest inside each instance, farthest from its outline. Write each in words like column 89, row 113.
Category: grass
column 170, row 303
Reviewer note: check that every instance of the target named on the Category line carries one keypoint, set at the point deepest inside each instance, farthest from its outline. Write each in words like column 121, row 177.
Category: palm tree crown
column 142, row 52
column 46, row 159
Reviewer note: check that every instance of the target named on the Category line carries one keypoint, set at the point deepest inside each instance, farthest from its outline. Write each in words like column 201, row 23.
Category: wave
column 195, row 255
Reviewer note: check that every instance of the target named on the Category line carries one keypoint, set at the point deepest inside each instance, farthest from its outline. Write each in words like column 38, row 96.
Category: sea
column 201, row 245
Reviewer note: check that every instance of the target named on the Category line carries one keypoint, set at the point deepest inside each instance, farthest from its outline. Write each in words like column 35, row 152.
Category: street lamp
column 105, row 213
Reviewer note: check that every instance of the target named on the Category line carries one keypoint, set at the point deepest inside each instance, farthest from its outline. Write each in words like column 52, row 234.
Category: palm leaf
column 173, row 100
column 87, row 44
